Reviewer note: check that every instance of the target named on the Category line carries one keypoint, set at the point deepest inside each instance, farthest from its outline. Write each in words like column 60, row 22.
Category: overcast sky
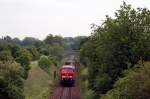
column 38, row 18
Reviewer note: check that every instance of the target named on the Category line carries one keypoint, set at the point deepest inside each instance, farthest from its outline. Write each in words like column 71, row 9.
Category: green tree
column 118, row 44
column 24, row 59
column 57, row 51
column 11, row 81
column 44, row 51
column 45, row 63
column 54, row 40
column 135, row 84
column 29, row 41
column 14, row 48
column 5, row 56
column 53, row 59
column 34, row 52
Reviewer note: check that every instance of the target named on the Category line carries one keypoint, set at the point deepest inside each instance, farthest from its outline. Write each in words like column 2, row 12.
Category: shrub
column 5, row 56
column 44, row 51
column 44, row 62
column 89, row 94
column 135, row 85
column 24, row 59
column 54, row 60
column 34, row 52
column 11, row 82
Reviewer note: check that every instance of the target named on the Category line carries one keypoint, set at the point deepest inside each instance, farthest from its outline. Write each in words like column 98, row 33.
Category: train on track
column 68, row 74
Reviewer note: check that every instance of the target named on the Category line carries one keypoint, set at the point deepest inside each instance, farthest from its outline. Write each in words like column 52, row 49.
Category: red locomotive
column 67, row 74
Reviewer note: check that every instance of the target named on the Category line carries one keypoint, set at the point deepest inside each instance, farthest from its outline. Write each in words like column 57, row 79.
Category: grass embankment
column 39, row 84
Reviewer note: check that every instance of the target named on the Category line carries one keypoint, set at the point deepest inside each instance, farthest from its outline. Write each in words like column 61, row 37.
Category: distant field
column 38, row 85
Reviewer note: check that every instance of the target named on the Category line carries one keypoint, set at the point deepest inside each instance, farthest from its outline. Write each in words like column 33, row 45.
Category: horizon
column 43, row 38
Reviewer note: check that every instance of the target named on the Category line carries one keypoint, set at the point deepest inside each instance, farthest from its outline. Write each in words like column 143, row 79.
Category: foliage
column 54, row 40
column 44, row 63
column 7, row 38
column 13, row 50
column 53, row 59
column 5, row 56
column 55, row 46
column 44, row 51
column 135, row 85
column 85, row 92
column 29, row 41
column 90, row 94
column 57, row 51
column 116, row 45
column 74, row 44
column 24, row 59
column 34, row 52
column 16, row 40
column 11, row 81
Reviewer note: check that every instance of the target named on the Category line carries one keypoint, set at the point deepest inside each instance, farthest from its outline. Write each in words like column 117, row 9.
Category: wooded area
column 115, row 55
column 15, row 58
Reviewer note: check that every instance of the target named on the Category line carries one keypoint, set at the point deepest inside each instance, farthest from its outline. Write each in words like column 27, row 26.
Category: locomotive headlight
column 63, row 76
column 70, row 76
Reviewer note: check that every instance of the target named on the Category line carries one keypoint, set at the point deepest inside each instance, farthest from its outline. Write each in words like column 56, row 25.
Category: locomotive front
column 67, row 75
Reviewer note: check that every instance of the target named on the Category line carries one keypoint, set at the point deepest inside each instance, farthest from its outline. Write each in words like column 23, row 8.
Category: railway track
column 66, row 93
column 61, row 92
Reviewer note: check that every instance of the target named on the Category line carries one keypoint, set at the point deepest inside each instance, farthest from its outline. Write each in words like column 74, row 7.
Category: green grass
column 39, row 83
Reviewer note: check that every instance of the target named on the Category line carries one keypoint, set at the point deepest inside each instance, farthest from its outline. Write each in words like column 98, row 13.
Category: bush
column 57, row 51
column 44, row 51
column 86, row 93
column 24, row 59
column 44, row 62
column 54, row 60
column 5, row 56
column 11, row 82
column 103, row 83
column 14, row 48
column 34, row 52
column 135, row 85
column 89, row 94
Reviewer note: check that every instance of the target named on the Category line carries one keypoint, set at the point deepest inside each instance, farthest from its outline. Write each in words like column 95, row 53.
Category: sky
column 68, row 18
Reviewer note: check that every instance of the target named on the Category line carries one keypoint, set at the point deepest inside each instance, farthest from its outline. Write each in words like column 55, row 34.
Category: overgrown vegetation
column 11, row 81
column 115, row 46
column 15, row 59
column 134, row 85
column 45, row 63
column 40, row 84
column 86, row 93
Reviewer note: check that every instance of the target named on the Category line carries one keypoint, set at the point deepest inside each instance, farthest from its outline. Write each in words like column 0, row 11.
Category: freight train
column 68, row 74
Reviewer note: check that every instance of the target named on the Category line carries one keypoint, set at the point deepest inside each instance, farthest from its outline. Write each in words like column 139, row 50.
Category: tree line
column 115, row 47
column 15, row 58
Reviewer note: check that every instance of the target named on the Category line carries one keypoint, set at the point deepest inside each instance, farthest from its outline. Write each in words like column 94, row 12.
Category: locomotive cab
column 67, row 75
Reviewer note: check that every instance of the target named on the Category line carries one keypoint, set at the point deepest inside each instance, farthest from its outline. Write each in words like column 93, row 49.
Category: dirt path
column 66, row 92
